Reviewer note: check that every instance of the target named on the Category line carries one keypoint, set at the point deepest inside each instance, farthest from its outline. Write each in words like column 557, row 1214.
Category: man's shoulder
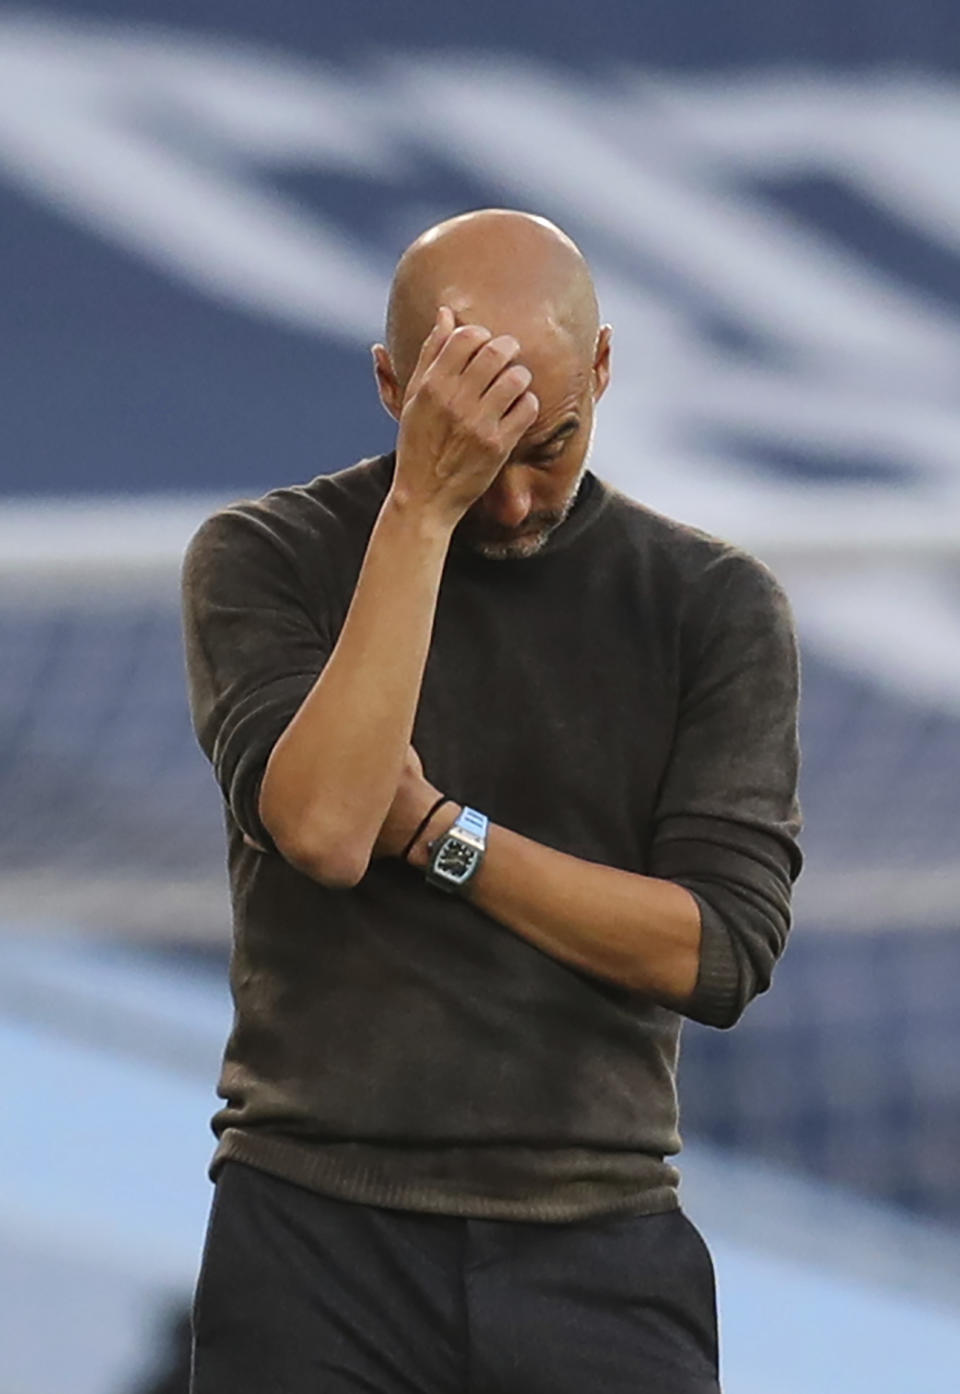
column 682, row 551
column 708, row 582
column 333, row 506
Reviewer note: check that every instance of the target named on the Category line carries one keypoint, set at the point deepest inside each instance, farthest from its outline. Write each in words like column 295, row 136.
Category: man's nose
column 507, row 501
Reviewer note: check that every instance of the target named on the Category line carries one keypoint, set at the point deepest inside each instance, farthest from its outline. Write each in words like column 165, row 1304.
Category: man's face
column 536, row 488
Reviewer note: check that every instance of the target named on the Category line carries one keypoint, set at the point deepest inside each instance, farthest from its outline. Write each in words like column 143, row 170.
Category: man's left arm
column 638, row 931
column 702, row 932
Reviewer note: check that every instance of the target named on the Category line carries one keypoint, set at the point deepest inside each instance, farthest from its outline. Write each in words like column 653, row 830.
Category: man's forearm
column 333, row 773
column 638, row 931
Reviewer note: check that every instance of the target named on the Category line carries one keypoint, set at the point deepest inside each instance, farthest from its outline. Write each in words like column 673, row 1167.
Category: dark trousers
column 303, row 1294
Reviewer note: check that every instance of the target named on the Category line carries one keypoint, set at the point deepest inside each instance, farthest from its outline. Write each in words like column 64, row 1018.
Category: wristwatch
column 456, row 856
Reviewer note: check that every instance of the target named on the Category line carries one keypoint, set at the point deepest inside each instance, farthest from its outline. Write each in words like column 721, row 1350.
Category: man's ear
column 389, row 389
column 601, row 361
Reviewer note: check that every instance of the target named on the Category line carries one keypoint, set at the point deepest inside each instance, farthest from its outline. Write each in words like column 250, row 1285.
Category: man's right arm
column 331, row 776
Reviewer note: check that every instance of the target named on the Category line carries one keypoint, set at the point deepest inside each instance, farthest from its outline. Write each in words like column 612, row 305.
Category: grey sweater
column 628, row 696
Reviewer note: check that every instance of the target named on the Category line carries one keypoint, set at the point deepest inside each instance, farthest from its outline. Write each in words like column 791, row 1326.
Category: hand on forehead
column 513, row 273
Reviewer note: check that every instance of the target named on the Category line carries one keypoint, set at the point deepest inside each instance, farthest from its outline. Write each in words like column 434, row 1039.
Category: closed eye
column 553, row 447
column 543, row 457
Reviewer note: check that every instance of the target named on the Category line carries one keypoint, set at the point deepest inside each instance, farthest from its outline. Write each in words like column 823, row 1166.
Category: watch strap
column 474, row 823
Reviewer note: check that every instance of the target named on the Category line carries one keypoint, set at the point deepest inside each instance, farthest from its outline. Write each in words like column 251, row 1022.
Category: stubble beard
column 519, row 548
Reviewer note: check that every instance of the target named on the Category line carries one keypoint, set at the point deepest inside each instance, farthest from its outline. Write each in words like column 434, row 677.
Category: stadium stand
column 200, row 204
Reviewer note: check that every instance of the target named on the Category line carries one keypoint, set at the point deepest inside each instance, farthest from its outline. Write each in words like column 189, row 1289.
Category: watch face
column 455, row 859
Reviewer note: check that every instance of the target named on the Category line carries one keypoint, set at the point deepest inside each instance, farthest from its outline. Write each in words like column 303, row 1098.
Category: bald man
column 509, row 767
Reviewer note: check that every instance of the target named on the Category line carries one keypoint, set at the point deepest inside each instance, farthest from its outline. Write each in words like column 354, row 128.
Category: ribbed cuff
column 716, row 999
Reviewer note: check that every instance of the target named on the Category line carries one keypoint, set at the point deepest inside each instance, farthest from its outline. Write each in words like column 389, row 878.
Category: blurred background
column 200, row 207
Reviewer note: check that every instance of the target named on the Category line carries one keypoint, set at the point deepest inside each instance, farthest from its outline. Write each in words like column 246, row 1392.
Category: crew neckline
column 592, row 497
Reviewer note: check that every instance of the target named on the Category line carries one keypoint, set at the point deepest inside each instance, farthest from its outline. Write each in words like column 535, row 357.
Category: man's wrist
column 430, row 524
column 441, row 822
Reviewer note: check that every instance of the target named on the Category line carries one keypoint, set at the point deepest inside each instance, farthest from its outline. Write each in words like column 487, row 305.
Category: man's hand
column 410, row 804
column 465, row 408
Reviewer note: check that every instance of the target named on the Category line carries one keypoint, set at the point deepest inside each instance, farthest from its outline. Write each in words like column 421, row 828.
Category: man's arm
column 702, row 934
column 637, row 931
column 333, row 773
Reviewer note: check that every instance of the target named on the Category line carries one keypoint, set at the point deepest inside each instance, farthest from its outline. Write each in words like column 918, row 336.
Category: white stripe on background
column 104, row 536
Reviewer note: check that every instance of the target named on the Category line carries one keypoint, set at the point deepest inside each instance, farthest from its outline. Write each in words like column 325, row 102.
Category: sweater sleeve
column 253, row 652
column 727, row 815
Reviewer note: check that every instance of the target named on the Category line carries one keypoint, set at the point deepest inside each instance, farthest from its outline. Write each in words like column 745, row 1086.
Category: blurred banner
column 201, row 203
column 200, row 207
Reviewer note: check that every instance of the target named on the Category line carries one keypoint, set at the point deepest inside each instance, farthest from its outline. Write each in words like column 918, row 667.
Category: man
column 509, row 764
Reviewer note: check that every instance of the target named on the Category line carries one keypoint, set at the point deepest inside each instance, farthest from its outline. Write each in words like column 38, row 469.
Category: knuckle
column 436, row 393
column 426, row 394
column 488, row 439
column 505, row 347
column 518, row 376
column 528, row 409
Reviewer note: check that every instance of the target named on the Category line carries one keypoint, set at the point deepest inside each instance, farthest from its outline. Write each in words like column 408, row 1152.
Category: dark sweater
column 627, row 696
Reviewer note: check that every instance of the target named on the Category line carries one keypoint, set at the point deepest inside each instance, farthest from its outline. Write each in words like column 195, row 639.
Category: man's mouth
column 515, row 534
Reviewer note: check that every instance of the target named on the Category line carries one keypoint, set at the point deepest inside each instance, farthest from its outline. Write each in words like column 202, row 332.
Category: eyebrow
column 566, row 428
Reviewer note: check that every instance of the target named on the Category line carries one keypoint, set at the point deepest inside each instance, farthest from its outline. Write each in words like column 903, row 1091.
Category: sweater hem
column 549, row 1185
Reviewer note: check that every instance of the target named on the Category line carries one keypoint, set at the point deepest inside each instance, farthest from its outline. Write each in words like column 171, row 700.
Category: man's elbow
column 337, row 866
column 322, row 853
column 727, row 1014
column 738, row 953
column 720, row 1009
column 309, row 841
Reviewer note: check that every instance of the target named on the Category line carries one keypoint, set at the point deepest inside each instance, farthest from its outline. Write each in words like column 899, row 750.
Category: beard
column 519, row 543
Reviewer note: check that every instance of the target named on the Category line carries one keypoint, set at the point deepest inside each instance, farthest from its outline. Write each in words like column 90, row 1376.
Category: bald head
column 512, row 272
column 517, row 276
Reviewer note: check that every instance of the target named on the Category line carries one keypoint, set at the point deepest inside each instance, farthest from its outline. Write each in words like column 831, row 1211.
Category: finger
column 460, row 348
column 489, row 362
column 443, row 327
column 519, row 419
column 506, row 389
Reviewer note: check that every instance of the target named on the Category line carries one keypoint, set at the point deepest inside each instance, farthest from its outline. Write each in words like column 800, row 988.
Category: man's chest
column 552, row 709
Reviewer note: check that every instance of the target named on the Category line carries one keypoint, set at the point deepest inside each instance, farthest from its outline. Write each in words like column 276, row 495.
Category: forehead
column 559, row 365
column 560, row 377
